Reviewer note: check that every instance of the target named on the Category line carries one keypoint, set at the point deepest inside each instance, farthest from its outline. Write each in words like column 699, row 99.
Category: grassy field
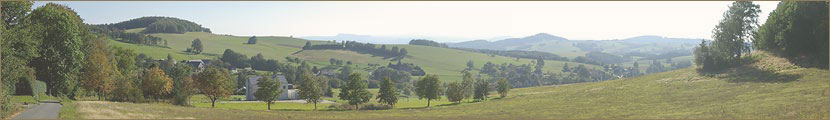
column 444, row 62
column 768, row 89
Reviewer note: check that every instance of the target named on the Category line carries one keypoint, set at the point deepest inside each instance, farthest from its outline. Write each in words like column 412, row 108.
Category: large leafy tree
column 797, row 30
column 269, row 90
column 387, row 94
column 196, row 46
column 18, row 48
column 183, row 84
column 428, row 88
column 732, row 35
column 355, row 91
column 215, row 83
column 98, row 70
column 62, row 31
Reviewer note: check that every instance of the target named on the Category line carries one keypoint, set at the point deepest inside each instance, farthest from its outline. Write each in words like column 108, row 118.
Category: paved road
column 47, row 109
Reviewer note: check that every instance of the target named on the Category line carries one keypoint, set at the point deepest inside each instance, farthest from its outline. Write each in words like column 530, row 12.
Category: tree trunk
column 269, row 105
column 212, row 103
column 315, row 105
column 428, row 101
column 1, row 61
column 356, row 107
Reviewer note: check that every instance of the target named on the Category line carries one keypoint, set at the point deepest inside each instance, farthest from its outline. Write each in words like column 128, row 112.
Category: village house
column 198, row 65
column 289, row 92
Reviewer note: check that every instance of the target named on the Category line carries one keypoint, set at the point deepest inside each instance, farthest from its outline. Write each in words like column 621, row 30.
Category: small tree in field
column 355, row 91
column 482, row 89
column 269, row 90
column 196, row 46
column 455, row 92
column 215, row 83
column 503, row 87
column 388, row 94
column 310, row 89
column 428, row 88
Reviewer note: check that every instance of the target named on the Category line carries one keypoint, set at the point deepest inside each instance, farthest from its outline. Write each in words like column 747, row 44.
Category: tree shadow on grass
column 752, row 74
column 451, row 104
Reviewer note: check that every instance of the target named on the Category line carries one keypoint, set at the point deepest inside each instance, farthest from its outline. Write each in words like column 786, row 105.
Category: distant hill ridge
column 158, row 24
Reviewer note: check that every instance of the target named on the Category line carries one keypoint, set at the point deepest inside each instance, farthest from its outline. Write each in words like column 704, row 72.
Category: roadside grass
column 69, row 111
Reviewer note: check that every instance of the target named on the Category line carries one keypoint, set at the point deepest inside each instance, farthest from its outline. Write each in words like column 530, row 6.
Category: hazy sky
column 473, row 20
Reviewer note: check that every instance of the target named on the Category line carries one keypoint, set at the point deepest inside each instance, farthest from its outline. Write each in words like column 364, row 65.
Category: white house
column 289, row 93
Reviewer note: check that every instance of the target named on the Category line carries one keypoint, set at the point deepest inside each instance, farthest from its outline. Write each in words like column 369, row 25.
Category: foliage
column 428, row 88
column 196, row 46
column 412, row 69
column 365, row 48
column 388, row 93
column 215, row 83
column 731, row 36
column 156, row 83
column 310, row 89
column 389, row 73
column 797, row 30
column 482, row 89
column 183, row 84
column 503, row 87
column 252, row 40
column 126, row 81
column 62, row 31
column 355, row 91
column 236, row 60
column 455, row 92
column 467, row 85
column 518, row 54
column 98, row 70
column 269, row 90
column 425, row 42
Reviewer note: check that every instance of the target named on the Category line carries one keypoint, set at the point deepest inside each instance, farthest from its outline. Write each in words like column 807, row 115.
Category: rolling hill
column 444, row 62
column 571, row 48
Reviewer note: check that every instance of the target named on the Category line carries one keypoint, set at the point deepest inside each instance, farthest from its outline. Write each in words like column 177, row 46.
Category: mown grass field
column 768, row 89
column 444, row 62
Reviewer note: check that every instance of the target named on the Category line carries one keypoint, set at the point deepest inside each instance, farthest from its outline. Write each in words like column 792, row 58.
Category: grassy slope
column 770, row 88
column 447, row 63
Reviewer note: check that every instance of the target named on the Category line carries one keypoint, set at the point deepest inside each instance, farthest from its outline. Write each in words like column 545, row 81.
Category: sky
column 575, row 20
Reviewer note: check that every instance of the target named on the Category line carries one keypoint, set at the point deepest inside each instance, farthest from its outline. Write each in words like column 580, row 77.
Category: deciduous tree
column 355, row 91
column 269, row 90
column 215, row 83
column 388, row 94
column 155, row 82
column 428, row 88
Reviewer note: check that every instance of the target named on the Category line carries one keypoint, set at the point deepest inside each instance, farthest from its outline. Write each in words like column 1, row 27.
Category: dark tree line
column 797, row 30
column 157, row 24
column 413, row 69
column 425, row 42
column 121, row 35
column 364, row 48
column 519, row 54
